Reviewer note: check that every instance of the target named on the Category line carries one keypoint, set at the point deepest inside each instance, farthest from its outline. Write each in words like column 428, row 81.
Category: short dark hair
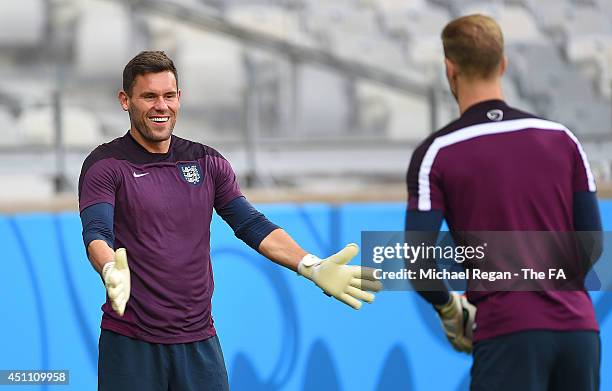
column 475, row 44
column 146, row 62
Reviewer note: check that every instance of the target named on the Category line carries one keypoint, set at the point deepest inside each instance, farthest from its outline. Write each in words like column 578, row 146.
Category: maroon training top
column 163, row 207
column 499, row 169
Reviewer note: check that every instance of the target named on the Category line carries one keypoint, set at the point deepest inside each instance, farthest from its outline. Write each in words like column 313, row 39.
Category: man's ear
column 451, row 69
column 124, row 100
column 503, row 66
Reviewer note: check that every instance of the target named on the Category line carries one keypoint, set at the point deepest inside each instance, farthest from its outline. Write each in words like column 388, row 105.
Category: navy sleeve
column 587, row 222
column 97, row 221
column 423, row 227
column 248, row 223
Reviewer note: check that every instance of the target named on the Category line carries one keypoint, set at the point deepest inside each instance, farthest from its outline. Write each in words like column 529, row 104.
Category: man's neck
column 151, row 147
column 472, row 92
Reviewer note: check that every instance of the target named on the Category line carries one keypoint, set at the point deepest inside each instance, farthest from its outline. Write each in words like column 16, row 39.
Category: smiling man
column 153, row 109
column 150, row 195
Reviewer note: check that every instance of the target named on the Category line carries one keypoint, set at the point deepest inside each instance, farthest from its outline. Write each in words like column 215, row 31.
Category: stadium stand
column 326, row 114
column 12, row 134
column 325, row 99
column 97, row 58
column 23, row 24
column 80, row 126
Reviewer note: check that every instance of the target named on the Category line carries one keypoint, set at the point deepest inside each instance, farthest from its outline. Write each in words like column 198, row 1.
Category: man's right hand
column 116, row 276
column 457, row 318
column 347, row 283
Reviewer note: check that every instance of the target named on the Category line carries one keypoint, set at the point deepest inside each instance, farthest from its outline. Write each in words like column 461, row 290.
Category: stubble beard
column 146, row 132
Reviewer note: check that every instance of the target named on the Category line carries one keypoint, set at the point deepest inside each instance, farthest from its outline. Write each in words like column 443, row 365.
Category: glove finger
column 366, row 285
column 359, row 294
column 121, row 262
column 121, row 299
column 465, row 344
column 365, row 273
column 113, row 292
column 119, row 308
column 344, row 256
column 461, row 345
column 349, row 300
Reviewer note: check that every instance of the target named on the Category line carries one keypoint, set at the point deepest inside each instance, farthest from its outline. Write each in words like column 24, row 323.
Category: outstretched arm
column 348, row 284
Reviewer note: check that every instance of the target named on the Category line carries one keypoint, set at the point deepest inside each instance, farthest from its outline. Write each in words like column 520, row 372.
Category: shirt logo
column 190, row 172
column 495, row 115
column 139, row 175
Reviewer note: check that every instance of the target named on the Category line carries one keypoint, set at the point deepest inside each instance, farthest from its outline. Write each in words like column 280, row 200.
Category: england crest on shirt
column 190, row 172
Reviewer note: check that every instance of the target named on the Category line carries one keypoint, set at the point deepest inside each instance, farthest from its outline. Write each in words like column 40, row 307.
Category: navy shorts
column 538, row 360
column 127, row 364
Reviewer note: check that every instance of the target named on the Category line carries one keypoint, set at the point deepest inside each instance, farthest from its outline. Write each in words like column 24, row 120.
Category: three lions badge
column 191, row 172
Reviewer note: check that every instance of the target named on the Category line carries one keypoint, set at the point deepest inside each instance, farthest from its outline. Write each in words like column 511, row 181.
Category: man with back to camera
column 153, row 193
column 470, row 174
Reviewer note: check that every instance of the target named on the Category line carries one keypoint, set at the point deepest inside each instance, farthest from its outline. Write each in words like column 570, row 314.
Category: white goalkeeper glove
column 346, row 283
column 116, row 276
column 457, row 317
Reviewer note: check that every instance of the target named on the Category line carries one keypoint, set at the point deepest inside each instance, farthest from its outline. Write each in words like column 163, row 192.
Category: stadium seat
column 424, row 46
column 426, row 22
column 98, row 58
column 23, row 23
column 552, row 15
column 324, row 104
column 605, row 6
column 26, row 187
column 535, row 81
column 517, row 23
column 371, row 49
column 455, row 6
column 163, row 34
column 394, row 13
column 583, row 113
column 275, row 21
column 212, row 67
column 427, row 55
column 588, row 20
column 11, row 135
column 80, row 126
column 513, row 97
column 593, row 55
column 341, row 15
column 387, row 112
column 558, row 90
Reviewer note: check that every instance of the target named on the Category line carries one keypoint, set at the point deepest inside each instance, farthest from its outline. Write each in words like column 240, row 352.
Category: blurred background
column 318, row 105
column 302, row 96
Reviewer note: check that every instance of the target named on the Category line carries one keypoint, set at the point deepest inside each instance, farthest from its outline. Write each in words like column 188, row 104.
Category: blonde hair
column 475, row 44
